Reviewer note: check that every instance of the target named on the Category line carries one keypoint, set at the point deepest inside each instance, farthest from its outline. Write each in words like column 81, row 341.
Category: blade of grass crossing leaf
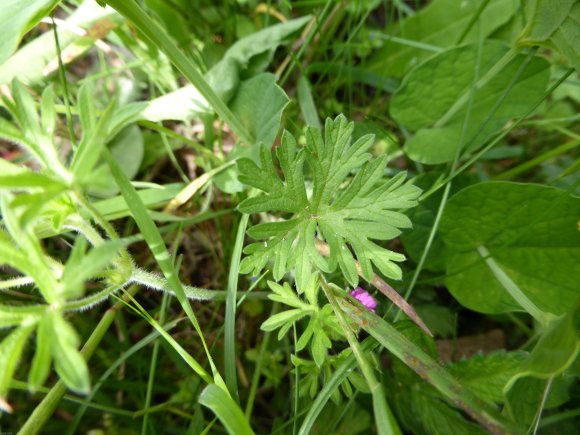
column 427, row 368
column 223, row 406
column 158, row 248
column 132, row 11
column 461, row 145
column 384, row 418
column 498, row 138
column 306, row 102
column 230, row 320
column 512, row 288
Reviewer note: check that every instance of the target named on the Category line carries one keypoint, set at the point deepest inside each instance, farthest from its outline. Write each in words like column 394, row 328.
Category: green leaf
column 29, row 62
column 127, row 148
column 116, row 207
column 556, row 350
column 421, row 412
column 439, row 25
column 68, row 361
column 530, row 232
column 225, row 76
column 33, row 137
column 40, row 368
column 88, row 266
column 423, row 218
column 228, row 411
column 157, row 246
column 24, row 252
column 306, row 102
column 250, row 55
column 17, row 18
column 556, row 23
column 426, row 367
column 346, row 217
column 10, row 352
column 320, row 345
column 545, row 17
column 487, row 375
column 259, row 105
column 526, row 397
column 354, row 420
column 280, row 319
column 19, row 315
column 92, row 143
column 28, row 179
column 438, row 125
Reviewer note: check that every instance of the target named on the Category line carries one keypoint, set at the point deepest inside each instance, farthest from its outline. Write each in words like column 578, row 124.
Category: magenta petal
column 364, row 298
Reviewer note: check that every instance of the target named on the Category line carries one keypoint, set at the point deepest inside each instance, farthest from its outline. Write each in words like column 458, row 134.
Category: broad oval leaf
column 445, row 80
column 437, row 26
column 530, row 232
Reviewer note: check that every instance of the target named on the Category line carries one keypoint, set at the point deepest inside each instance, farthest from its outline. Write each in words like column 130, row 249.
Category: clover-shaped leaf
column 347, row 205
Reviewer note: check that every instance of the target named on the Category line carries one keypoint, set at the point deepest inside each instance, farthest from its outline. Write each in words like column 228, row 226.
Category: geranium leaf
column 348, row 205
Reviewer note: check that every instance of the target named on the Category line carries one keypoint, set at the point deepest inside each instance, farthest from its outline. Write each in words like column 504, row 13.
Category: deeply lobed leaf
column 349, row 205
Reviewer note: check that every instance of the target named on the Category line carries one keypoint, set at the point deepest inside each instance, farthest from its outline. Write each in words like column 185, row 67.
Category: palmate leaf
column 348, row 206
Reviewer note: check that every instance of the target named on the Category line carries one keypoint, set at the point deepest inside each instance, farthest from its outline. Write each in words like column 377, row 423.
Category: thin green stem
column 427, row 368
column 512, row 288
column 530, row 164
column 63, row 82
column 473, row 20
column 557, row 418
column 307, row 41
column 411, row 43
column 541, row 406
column 490, row 74
column 447, row 190
column 172, row 134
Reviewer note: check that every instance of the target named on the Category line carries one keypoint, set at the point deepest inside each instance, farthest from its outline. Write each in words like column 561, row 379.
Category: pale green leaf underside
column 346, row 211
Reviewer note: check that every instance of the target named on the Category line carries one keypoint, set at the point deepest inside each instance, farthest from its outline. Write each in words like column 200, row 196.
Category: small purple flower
column 364, row 298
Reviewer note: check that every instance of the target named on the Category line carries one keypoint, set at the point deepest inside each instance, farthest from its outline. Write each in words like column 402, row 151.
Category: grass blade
column 385, row 420
column 230, row 321
column 428, row 369
column 226, row 410
column 157, row 245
